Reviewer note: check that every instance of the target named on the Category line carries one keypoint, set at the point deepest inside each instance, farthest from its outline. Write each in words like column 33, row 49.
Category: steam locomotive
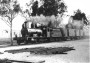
column 36, row 33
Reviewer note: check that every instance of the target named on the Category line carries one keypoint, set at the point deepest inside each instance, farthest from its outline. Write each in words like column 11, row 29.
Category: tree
column 79, row 16
column 49, row 7
column 45, row 8
column 8, row 11
column 26, row 13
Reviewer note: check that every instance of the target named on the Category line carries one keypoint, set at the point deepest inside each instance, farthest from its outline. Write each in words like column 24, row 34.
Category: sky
column 72, row 5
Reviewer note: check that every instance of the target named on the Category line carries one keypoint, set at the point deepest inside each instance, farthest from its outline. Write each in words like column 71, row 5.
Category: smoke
column 55, row 20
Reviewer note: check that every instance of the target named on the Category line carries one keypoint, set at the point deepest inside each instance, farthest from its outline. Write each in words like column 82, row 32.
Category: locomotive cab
column 30, row 32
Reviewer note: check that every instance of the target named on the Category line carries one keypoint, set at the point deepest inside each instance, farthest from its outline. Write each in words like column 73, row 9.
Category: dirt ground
column 80, row 54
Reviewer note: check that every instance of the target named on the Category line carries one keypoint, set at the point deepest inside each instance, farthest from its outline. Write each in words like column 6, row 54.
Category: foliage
column 8, row 7
column 9, row 10
column 79, row 16
column 49, row 7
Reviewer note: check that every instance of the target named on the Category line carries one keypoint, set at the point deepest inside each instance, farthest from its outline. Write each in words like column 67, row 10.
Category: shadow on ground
column 38, row 51
column 13, row 61
column 43, row 50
